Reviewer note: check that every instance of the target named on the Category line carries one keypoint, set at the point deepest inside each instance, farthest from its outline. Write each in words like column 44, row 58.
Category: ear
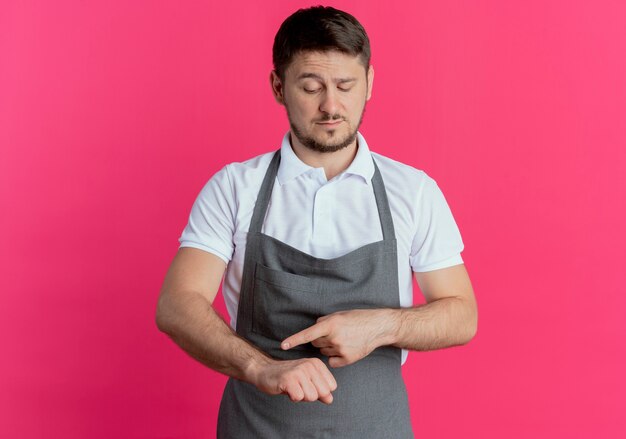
column 277, row 88
column 370, row 82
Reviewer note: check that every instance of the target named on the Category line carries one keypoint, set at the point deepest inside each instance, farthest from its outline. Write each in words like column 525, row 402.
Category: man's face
column 324, row 94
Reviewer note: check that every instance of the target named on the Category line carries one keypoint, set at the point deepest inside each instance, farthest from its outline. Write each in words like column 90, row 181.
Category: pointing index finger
column 305, row 336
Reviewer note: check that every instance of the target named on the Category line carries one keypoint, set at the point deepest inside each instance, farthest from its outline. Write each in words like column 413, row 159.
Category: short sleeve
column 437, row 242
column 211, row 222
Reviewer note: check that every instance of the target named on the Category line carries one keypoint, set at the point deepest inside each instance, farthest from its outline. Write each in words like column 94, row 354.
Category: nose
column 329, row 103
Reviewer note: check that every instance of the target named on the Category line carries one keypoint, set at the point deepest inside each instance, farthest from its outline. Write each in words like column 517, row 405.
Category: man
column 318, row 242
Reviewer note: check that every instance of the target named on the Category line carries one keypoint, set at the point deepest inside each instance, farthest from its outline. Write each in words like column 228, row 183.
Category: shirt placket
column 324, row 233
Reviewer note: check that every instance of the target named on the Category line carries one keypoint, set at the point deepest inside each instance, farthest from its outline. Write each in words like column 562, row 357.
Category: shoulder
column 257, row 164
column 237, row 176
column 402, row 179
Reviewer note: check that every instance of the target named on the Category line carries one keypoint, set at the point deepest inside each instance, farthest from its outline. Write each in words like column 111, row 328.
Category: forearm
column 442, row 323
column 192, row 323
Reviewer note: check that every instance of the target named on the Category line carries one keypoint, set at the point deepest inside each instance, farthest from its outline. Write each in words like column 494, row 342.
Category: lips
column 330, row 123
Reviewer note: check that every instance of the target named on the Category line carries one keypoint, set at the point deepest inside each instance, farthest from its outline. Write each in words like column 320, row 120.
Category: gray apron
column 284, row 291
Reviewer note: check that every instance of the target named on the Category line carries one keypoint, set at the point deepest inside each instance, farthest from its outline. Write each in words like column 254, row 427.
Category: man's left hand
column 347, row 336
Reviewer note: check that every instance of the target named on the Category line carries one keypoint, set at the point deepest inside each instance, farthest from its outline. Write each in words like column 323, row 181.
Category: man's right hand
column 304, row 379
column 186, row 314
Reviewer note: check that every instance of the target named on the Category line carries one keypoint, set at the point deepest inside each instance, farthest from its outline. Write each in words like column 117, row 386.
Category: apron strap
column 384, row 212
column 262, row 201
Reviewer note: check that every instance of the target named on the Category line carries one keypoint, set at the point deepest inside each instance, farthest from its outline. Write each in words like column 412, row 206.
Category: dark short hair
column 319, row 29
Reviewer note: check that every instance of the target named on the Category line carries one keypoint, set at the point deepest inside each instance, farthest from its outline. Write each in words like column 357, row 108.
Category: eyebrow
column 318, row 77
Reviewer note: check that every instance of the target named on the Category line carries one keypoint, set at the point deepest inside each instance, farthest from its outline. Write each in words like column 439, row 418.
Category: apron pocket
column 283, row 303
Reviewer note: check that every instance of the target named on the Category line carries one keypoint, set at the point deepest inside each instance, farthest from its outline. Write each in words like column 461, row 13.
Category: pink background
column 114, row 114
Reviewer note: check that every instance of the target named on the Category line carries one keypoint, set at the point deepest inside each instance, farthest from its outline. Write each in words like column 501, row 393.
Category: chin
column 325, row 141
column 329, row 146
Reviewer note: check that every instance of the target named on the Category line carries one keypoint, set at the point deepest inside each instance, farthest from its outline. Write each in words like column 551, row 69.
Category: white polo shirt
column 324, row 218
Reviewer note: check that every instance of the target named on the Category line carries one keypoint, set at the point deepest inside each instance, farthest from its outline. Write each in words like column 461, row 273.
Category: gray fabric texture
column 284, row 291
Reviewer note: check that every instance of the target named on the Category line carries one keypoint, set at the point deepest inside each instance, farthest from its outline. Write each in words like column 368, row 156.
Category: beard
column 316, row 146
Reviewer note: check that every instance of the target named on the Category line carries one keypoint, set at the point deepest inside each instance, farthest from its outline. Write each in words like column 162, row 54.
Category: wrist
column 397, row 319
column 254, row 367
column 391, row 319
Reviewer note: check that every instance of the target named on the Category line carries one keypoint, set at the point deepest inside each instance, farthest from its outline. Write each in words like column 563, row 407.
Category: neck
column 334, row 163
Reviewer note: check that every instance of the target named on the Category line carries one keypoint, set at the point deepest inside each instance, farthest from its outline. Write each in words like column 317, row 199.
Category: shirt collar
column 291, row 166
